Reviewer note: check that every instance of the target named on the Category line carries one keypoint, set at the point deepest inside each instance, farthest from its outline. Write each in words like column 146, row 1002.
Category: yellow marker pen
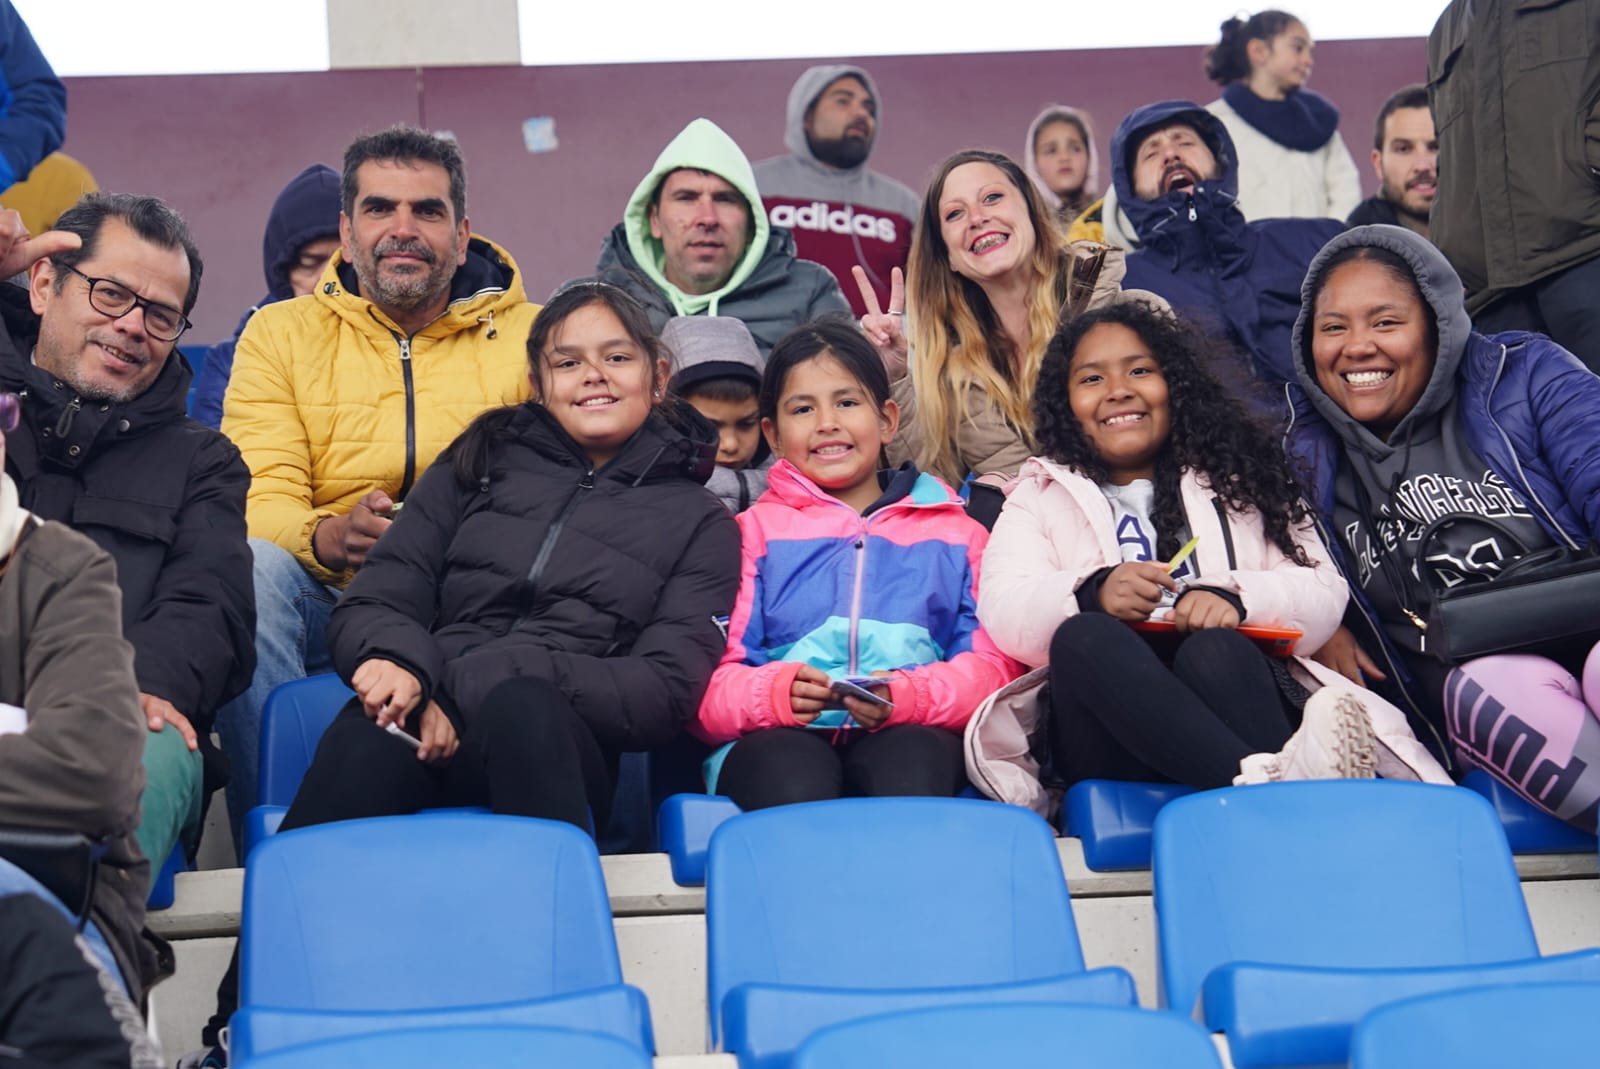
column 1182, row 555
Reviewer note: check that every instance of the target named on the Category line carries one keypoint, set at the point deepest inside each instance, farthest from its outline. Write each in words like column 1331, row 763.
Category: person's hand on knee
column 438, row 735
column 159, row 713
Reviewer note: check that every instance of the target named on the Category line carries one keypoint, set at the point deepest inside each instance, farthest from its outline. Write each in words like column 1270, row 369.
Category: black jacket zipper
column 541, row 559
column 411, row 417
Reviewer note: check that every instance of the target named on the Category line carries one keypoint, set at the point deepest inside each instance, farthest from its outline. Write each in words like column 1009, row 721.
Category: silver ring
column 893, row 313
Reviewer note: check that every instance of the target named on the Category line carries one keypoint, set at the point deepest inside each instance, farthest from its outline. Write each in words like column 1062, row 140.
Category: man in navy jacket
column 1176, row 178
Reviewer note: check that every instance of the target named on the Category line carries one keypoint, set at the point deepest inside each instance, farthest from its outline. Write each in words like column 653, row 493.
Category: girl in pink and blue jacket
column 849, row 573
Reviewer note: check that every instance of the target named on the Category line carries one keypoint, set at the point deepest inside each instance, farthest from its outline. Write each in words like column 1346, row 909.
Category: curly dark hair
column 1212, row 433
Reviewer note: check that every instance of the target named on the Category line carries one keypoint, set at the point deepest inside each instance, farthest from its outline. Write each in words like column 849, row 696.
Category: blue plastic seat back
column 684, row 824
column 164, row 884
column 886, row 893
column 959, row 1037
column 504, row 1045
column 1484, row 1028
column 1333, row 873
column 1529, row 829
column 1115, row 821
column 434, row 910
column 292, row 722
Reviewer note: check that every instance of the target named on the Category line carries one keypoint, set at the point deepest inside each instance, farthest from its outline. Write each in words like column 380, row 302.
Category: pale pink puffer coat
column 1057, row 529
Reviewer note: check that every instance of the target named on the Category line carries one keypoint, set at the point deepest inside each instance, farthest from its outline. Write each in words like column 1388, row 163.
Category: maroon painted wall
column 220, row 147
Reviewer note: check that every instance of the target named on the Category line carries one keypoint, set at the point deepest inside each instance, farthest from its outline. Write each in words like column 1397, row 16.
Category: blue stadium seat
column 834, row 911
column 443, row 918
column 959, row 1037
column 1114, row 821
column 1529, row 829
column 164, row 884
column 502, row 1046
column 683, row 827
column 1483, row 1028
column 1288, row 911
column 292, row 722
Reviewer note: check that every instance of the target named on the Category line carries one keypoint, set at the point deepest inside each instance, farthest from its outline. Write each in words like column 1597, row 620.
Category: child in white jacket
column 1292, row 161
column 1144, row 450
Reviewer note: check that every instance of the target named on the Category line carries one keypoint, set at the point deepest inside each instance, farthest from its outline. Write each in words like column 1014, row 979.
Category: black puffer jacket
column 160, row 493
column 608, row 583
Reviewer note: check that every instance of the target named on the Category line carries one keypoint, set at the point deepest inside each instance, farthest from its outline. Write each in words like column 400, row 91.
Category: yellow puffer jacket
column 329, row 400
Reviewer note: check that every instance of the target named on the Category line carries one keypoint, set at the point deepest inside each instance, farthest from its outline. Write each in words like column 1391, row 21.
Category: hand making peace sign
column 886, row 330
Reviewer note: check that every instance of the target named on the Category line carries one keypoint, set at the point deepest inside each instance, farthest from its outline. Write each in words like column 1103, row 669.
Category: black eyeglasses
column 10, row 411
column 115, row 300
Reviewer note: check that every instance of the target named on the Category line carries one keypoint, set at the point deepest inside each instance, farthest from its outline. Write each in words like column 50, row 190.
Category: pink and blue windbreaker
column 894, row 590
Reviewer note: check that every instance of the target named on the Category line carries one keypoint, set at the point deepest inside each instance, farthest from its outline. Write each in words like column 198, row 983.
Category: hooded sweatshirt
column 1387, row 492
column 1067, row 212
column 840, row 217
column 1197, row 251
column 1504, row 429
column 307, row 209
column 770, row 290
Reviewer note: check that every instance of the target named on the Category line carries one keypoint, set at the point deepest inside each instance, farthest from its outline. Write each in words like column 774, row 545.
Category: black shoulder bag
column 1541, row 600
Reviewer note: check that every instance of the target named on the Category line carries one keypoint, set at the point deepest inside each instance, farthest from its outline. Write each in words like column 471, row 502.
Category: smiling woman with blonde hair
column 991, row 280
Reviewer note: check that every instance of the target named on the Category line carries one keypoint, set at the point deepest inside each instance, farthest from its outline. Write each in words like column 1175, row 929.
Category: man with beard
column 1405, row 156
column 842, row 214
column 339, row 401
column 1176, row 181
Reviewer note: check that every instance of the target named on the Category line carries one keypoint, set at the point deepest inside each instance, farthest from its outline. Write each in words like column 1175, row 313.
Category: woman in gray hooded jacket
column 1418, row 421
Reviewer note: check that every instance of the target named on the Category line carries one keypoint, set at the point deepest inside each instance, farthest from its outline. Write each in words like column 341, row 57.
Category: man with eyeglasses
column 103, row 445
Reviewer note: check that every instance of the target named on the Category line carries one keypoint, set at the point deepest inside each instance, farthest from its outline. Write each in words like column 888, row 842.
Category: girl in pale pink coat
column 1143, row 451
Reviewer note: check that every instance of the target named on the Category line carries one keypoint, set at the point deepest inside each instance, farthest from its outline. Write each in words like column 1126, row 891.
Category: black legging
column 1118, row 713
column 778, row 766
column 526, row 752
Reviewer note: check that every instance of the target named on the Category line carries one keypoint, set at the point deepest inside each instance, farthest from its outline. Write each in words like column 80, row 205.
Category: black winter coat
column 611, row 584
column 163, row 496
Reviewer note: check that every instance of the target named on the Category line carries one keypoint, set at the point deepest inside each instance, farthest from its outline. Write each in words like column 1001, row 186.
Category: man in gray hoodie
column 841, row 213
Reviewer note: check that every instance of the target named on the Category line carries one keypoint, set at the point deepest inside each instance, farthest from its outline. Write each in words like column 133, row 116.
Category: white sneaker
column 1335, row 741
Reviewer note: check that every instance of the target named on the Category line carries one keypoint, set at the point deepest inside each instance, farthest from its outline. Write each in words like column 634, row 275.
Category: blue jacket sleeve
column 33, row 102
column 211, row 382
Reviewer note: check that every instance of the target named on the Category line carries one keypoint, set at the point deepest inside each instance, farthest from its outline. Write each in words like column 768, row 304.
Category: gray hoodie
column 1388, row 491
column 840, row 217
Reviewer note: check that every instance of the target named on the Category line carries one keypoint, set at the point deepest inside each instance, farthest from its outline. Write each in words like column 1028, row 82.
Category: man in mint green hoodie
column 694, row 240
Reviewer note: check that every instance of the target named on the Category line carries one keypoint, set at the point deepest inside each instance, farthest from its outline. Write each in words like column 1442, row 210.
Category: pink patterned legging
column 1529, row 723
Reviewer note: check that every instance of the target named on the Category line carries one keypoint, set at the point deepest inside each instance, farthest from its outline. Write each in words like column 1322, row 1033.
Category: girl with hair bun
column 1292, row 161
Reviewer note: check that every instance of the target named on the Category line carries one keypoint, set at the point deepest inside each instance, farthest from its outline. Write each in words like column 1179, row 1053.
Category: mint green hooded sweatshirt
column 702, row 146
column 770, row 290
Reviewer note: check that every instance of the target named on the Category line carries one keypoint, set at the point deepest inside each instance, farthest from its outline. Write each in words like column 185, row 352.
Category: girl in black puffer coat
column 549, row 597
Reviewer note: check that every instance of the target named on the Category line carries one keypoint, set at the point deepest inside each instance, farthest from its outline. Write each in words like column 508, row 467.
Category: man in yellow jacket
column 341, row 399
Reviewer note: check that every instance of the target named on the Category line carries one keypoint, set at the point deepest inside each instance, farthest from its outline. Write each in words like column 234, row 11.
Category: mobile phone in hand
column 400, row 733
column 856, row 687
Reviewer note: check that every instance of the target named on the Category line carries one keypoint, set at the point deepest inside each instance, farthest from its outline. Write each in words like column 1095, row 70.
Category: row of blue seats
column 1284, row 915
column 1556, row 1024
column 1113, row 820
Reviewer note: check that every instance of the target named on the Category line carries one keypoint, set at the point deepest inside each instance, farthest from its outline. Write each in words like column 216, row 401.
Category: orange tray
column 1274, row 641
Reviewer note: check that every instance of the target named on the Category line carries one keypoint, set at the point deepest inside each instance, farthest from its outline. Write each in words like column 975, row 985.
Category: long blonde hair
column 957, row 341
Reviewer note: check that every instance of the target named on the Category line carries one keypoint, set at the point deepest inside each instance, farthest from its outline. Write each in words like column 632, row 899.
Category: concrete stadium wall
column 220, row 147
